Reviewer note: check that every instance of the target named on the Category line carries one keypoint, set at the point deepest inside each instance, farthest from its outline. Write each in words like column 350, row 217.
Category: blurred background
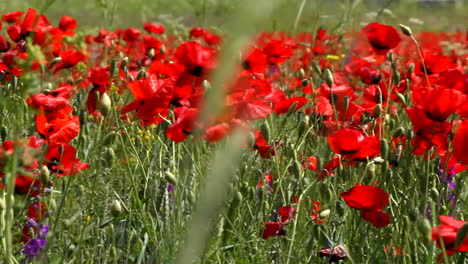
column 434, row 15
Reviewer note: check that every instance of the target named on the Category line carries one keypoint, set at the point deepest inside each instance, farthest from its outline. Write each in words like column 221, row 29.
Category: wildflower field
column 265, row 131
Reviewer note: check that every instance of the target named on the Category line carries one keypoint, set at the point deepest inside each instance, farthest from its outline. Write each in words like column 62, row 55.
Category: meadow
column 209, row 131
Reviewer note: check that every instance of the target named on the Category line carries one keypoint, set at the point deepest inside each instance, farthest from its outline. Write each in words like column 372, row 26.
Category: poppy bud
column 378, row 160
column 399, row 132
column 129, row 77
column 109, row 138
column 113, row 67
column 237, row 199
column 170, row 177
column 52, row 205
column 325, row 213
column 346, row 104
column 141, row 75
column 402, row 98
column 44, row 176
column 305, row 82
column 303, row 125
column 413, row 214
column 151, row 53
column 410, row 134
column 2, row 204
column 265, row 130
column 424, row 228
column 411, row 68
column 251, row 140
column 109, row 157
column 390, row 56
column 3, row 133
column 434, row 194
column 115, row 208
column 384, row 148
column 317, row 68
column 124, row 62
column 206, row 85
column 377, row 110
column 406, row 30
column 54, row 62
column 461, row 235
column 329, row 78
column 300, row 74
column 396, row 77
column 105, row 104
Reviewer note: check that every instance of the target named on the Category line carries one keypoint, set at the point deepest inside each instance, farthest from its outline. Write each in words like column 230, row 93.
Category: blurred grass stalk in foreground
column 228, row 156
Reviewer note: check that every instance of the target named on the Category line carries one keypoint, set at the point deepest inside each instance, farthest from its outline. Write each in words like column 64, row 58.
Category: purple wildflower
column 35, row 246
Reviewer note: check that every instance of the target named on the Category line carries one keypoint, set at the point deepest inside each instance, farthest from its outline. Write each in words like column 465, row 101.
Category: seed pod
column 109, row 157
column 44, row 175
column 52, row 205
column 266, row 131
column 406, row 30
column 329, row 78
column 170, row 177
column 105, row 104
column 151, row 53
column 399, row 132
column 346, row 104
column 410, row 68
column 251, row 140
column 377, row 110
column 141, row 75
column 413, row 214
column 402, row 98
column 3, row 133
column 424, row 228
column 109, row 138
column 237, row 200
column 325, row 213
column 396, row 77
column 113, row 67
column 115, row 208
column 384, row 148
column 434, row 194
column 303, row 126
column 305, row 82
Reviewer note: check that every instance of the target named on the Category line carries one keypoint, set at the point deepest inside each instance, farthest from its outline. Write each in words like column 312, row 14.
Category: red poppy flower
column 196, row 32
column 369, row 76
column 370, row 200
column 184, row 125
column 197, row 60
column 377, row 218
column 154, row 28
column 255, row 62
column 152, row 98
column 382, row 37
column 438, row 102
column 69, row 59
column 4, row 44
column 62, row 160
column 286, row 213
column 460, row 144
column 277, row 52
column 365, row 197
column 353, row 145
column 12, row 17
column 67, row 24
column 273, row 229
column 447, row 231
column 60, row 130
